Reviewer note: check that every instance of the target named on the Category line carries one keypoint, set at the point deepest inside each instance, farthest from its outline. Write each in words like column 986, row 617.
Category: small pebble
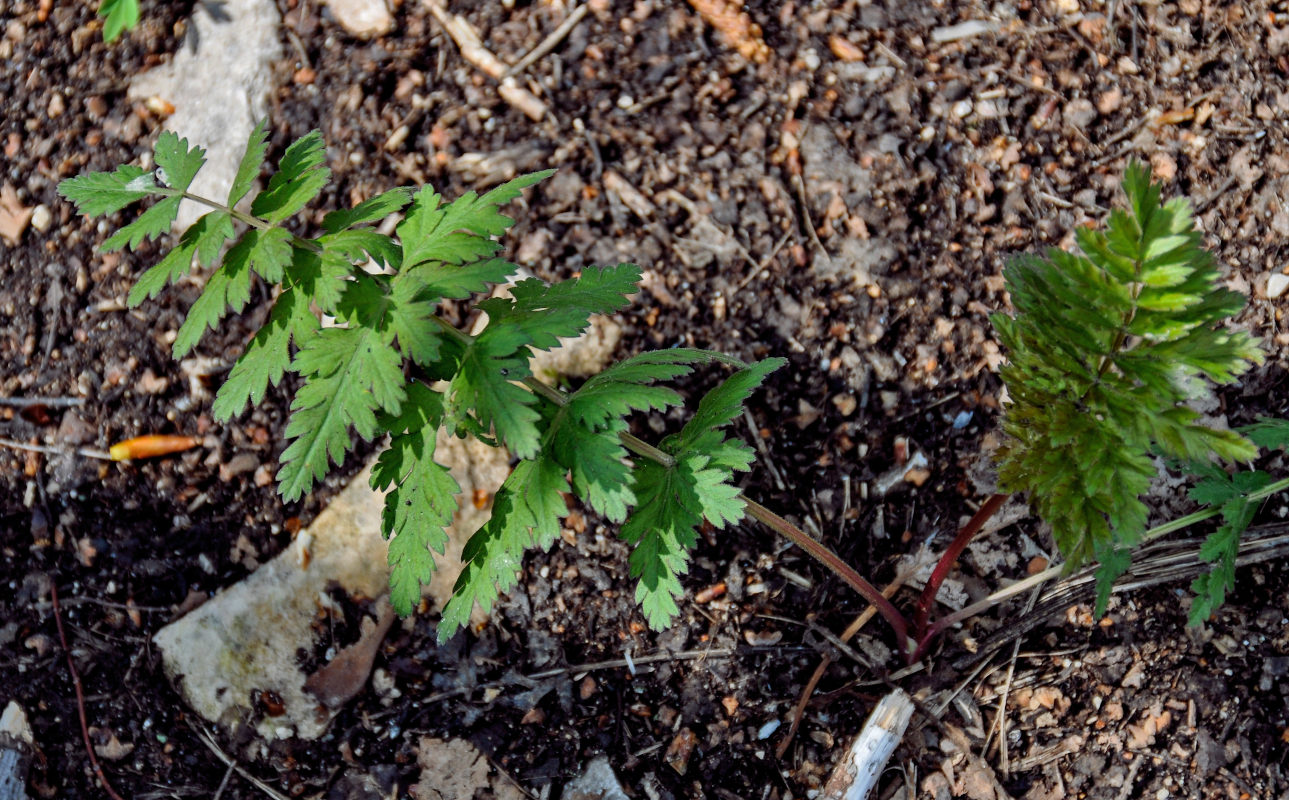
column 1276, row 284
column 41, row 218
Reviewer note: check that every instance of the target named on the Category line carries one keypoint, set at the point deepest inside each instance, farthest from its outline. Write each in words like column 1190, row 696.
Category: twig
column 52, row 402
column 56, row 451
column 80, row 697
column 210, row 743
column 550, row 42
column 473, row 51
column 1000, row 718
column 805, row 210
column 765, row 262
column 1126, row 790
column 765, row 451
column 853, row 628
column 223, row 784
column 594, row 666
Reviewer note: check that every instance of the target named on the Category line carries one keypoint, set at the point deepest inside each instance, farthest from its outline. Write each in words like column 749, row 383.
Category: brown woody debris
column 735, row 27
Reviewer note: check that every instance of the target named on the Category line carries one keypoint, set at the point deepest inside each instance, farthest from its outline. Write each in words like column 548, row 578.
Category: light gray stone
column 218, row 83
column 244, row 640
column 363, row 18
column 597, row 783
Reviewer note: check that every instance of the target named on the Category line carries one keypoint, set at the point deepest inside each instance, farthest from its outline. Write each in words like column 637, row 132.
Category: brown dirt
column 922, row 166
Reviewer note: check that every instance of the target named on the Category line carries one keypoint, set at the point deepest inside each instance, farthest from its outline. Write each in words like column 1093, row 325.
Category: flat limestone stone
column 244, row 640
column 218, row 83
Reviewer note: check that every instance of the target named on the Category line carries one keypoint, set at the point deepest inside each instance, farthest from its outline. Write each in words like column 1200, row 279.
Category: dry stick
column 805, row 210
column 616, row 663
column 209, row 741
column 223, row 784
column 758, row 269
column 52, row 402
column 80, row 697
column 56, row 451
column 550, row 42
column 860, row 621
column 1000, row 719
column 473, row 51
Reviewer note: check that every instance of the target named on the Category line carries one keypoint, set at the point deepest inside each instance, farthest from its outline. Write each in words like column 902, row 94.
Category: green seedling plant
column 393, row 368
column 1107, row 349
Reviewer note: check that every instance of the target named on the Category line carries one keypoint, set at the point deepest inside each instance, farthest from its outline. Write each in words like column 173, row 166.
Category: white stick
column 857, row 773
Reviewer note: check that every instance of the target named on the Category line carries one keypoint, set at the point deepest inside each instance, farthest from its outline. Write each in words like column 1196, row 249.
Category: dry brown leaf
column 345, row 675
column 14, row 216
column 735, row 26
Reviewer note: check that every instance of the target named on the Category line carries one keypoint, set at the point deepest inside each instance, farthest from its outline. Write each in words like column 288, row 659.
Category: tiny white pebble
column 767, row 730
column 41, row 218
column 626, row 101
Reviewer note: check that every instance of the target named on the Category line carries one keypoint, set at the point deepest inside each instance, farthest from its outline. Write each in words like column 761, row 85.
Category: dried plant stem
column 80, row 697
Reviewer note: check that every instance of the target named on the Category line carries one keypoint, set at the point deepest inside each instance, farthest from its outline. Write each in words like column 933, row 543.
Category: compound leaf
column 203, row 240
column 461, row 231
column 228, row 288
column 350, row 374
column 525, row 513
column 257, row 147
column 421, row 496
column 268, row 356
column 369, row 210
column 99, row 193
column 300, row 177
column 484, row 389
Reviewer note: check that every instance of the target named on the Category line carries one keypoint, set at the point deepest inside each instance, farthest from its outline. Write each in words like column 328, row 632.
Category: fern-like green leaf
column 177, row 164
column 227, row 289
column 483, row 390
column 350, row 374
column 673, row 500
column 203, row 241
column 1106, row 352
column 300, row 177
column 100, row 193
column 248, row 169
column 1268, row 432
column 462, row 231
column 420, row 499
column 370, row 210
column 525, row 514
column 268, row 356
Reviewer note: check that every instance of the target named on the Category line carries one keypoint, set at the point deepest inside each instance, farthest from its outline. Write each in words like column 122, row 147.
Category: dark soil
column 920, row 168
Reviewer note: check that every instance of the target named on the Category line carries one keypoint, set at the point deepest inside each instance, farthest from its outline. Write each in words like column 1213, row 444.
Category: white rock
column 219, row 90
column 597, row 783
column 1276, row 285
column 362, row 18
column 41, row 218
column 244, row 640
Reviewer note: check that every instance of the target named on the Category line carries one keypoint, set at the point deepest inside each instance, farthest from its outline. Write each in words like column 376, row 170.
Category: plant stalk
column 949, row 620
column 947, row 560
column 833, row 562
